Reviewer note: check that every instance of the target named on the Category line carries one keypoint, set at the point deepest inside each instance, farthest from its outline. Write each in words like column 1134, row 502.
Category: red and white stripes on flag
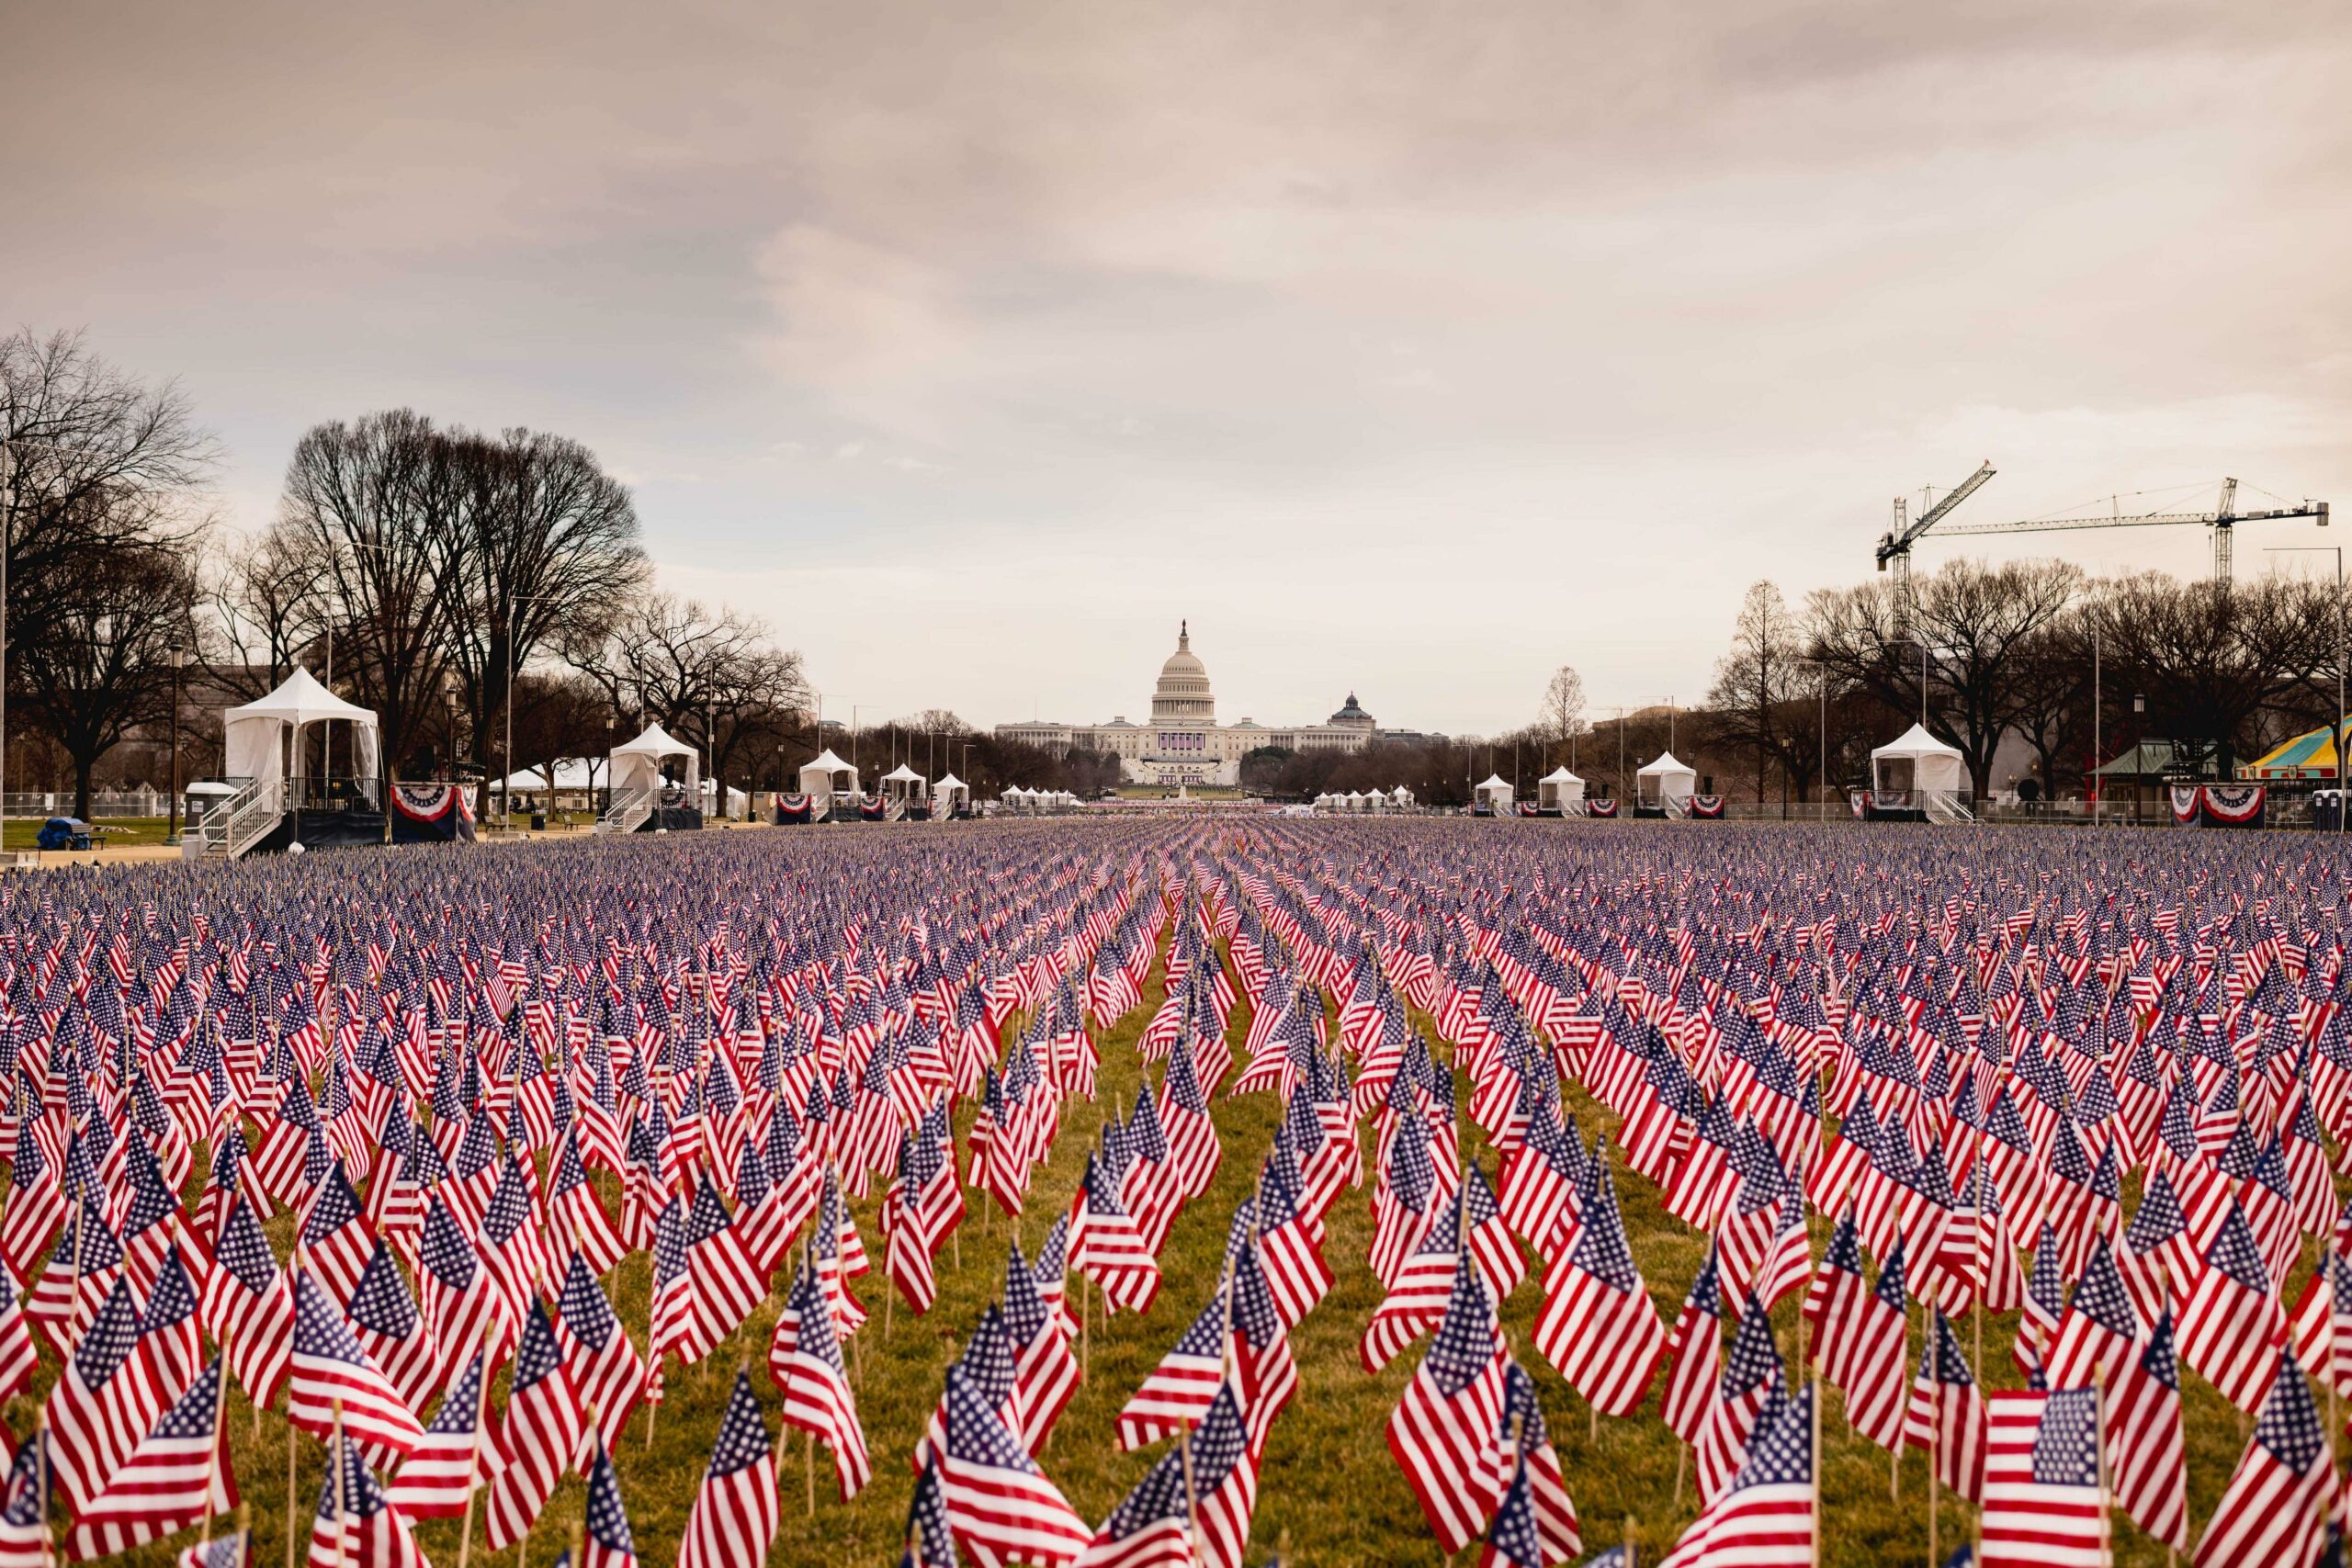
column 329, row 1366
column 2042, row 1500
column 1439, row 1431
column 544, row 1429
column 733, row 1520
column 177, row 1476
column 804, row 1360
column 2281, row 1498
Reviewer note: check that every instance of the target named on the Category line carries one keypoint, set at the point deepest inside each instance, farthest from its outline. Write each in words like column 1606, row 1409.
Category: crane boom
column 2223, row 520
column 1896, row 546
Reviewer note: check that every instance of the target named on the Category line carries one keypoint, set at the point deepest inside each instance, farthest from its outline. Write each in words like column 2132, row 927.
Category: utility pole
column 2343, row 658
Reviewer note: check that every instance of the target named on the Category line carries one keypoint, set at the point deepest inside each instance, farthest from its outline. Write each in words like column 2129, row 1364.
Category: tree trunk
column 84, row 766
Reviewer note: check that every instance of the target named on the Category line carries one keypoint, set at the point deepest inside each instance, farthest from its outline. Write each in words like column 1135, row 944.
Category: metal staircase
column 242, row 821
column 1947, row 806
column 628, row 811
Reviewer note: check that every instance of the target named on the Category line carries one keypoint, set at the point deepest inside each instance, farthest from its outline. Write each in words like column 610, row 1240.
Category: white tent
column 1403, row 796
column 1560, row 791
column 824, row 776
column 952, row 795
column 637, row 764
column 1017, row 800
column 1917, row 759
column 1495, row 794
column 905, row 788
column 262, row 739
column 739, row 805
column 1354, row 799
column 1668, row 783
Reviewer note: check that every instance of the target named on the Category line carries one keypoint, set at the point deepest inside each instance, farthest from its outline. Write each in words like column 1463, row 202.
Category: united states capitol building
column 1185, row 744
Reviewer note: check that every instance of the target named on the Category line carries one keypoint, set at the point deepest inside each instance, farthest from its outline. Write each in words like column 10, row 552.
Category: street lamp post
column 172, row 828
column 506, row 783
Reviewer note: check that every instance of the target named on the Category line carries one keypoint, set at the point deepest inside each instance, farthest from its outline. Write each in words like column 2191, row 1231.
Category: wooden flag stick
column 2098, row 1446
column 473, row 1455
column 212, row 1454
column 1191, row 1503
column 290, row 1484
column 342, row 1503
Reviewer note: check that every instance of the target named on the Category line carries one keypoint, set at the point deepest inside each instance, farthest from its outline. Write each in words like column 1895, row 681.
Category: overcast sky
column 1407, row 349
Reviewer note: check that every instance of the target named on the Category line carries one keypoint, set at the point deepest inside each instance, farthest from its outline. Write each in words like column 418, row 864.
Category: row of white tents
column 1023, row 802
column 1398, row 799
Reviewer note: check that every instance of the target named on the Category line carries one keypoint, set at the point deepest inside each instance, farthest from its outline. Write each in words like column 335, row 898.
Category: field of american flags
column 1326, row 1479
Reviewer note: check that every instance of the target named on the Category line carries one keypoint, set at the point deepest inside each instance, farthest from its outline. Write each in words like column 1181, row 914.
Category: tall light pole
column 172, row 828
column 506, row 783
column 2343, row 658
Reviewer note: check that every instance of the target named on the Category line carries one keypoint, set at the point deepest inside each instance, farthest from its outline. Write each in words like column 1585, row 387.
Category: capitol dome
column 1182, row 695
column 1351, row 716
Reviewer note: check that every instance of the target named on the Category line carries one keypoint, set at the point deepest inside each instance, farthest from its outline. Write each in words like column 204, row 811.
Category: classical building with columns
column 1184, row 743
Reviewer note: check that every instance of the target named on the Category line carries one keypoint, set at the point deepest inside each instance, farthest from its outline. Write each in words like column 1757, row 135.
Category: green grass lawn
column 1328, row 1484
column 120, row 832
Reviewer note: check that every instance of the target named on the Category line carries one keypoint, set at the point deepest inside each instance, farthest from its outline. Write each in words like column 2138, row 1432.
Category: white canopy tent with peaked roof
column 824, row 776
column 1496, row 794
column 1560, row 791
column 1918, row 760
column 951, row 794
column 905, row 788
column 1666, row 783
column 262, row 739
column 637, row 764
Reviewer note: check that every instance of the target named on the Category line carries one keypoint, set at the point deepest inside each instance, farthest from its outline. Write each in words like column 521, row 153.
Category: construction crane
column 2223, row 520
column 1896, row 546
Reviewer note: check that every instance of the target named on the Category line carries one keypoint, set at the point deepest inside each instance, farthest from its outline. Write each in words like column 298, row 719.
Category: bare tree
column 265, row 605
column 1561, row 717
column 2211, row 657
column 546, row 551
column 1760, row 691
column 1969, row 625
column 709, row 677
column 103, row 665
column 374, row 508
column 90, row 460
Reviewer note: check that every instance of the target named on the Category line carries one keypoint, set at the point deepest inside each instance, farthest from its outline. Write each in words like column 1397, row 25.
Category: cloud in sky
column 1408, row 348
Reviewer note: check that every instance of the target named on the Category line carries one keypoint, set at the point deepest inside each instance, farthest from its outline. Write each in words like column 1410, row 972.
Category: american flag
column 606, row 1368
column 177, row 1476
column 725, row 1285
column 104, row 1401
column 2232, row 1327
column 328, row 1366
column 1439, row 1430
column 222, row 1551
column 1867, row 1354
column 1694, row 1352
column 2282, row 1496
column 1194, row 1507
column 1752, row 1379
column 931, row 1543
column 1106, row 1247
column 605, row 1540
column 385, row 1321
column 2041, row 1492
column 1045, row 1372
column 355, row 1524
column 1522, row 1443
column 24, row 1540
column 1768, row 1515
column 1513, row 1540
column 1179, row 1390
column 2101, row 1329
column 460, row 1448
column 461, row 1303
column 544, row 1429
column 336, row 1242
column 733, row 1520
column 1597, row 1325
column 1001, row 1507
column 2144, row 1438
column 804, row 1360
column 1947, row 1413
